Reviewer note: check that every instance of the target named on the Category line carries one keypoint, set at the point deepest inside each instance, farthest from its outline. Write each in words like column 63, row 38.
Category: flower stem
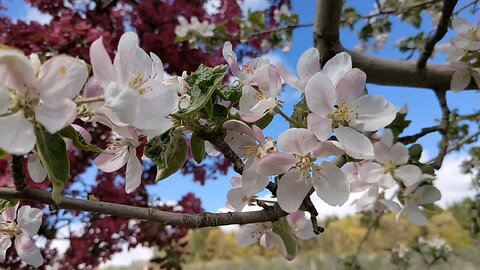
column 90, row 100
column 290, row 120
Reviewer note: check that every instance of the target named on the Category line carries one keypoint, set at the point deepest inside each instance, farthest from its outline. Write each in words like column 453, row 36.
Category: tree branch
column 379, row 71
column 442, row 28
column 413, row 138
column 444, row 127
column 16, row 168
column 150, row 214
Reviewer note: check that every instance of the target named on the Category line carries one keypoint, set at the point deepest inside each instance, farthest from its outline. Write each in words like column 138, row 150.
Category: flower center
column 260, row 95
column 24, row 102
column 268, row 148
column 9, row 228
column 138, row 82
column 343, row 114
column 389, row 167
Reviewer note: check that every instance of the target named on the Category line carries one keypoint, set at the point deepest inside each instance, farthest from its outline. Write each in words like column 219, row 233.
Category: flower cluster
column 463, row 54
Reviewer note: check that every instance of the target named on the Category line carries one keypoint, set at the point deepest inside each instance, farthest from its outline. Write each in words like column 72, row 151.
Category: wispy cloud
column 33, row 14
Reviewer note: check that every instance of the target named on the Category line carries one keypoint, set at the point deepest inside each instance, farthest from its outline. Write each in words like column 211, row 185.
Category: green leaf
column 169, row 152
column 264, row 121
column 230, row 93
column 300, row 113
column 415, row 152
column 220, row 113
column 198, row 148
column 285, row 232
column 399, row 124
column 3, row 153
column 202, row 84
column 7, row 203
column 53, row 154
column 77, row 140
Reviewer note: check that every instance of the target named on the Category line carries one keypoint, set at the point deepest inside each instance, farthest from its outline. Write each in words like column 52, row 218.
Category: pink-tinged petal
column 296, row 218
column 292, row 189
column 258, row 134
column 414, row 213
column 409, row 174
column 62, row 77
column 101, row 63
column 300, row 141
column 10, row 213
column 153, row 106
column 275, row 163
column 251, row 117
column 368, row 198
column 158, row 70
column 382, row 152
column 240, row 127
column 354, row 143
column 351, row 86
column 231, row 59
column 305, row 231
column 54, row 115
column 320, row 94
column 308, row 63
column 249, row 234
column 240, row 143
column 331, row 184
column 5, row 101
column 274, row 82
column 320, row 126
column 273, row 240
column 236, row 181
column 16, row 71
column 326, row 149
column 16, row 135
column 461, row 26
column 387, row 181
column 338, row 66
column 125, row 57
column 288, row 77
column 387, row 137
column 87, row 137
column 5, row 243
column 29, row 219
column 460, row 79
column 237, row 199
column 391, row 205
column 399, row 154
column 28, row 251
column 252, row 182
column 35, row 168
column 263, row 105
column 427, row 194
column 124, row 102
column 248, row 99
column 371, row 172
column 107, row 117
column 374, row 112
column 110, row 162
column 211, row 150
column 133, row 175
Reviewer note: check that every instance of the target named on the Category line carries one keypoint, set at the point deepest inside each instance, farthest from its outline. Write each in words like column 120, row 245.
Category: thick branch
column 378, row 70
column 16, row 168
column 150, row 214
column 442, row 28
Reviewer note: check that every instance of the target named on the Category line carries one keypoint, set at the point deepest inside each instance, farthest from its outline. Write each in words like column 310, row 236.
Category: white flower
column 236, row 197
column 27, row 96
column 338, row 103
column 133, row 85
column 203, row 28
column 300, row 173
column 26, row 226
column 468, row 35
column 462, row 76
column 308, row 65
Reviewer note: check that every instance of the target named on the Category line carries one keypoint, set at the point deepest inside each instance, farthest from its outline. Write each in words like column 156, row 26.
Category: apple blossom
column 463, row 75
column 28, row 221
column 308, row 65
column 248, row 72
column 133, row 85
column 236, row 197
column 203, row 28
column 28, row 96
column 302, row 226
column 468, row 35
column 300, row 173
column 346, row 110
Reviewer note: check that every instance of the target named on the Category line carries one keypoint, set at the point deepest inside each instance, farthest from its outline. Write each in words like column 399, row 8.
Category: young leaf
column 230, row 93
column 198, row 148
column 285, row 232
column 53, row 154
column 399, row 124
column 77, row 140
column 169, row 152
column 7, row 203
column 415, row 152
column 202, row 84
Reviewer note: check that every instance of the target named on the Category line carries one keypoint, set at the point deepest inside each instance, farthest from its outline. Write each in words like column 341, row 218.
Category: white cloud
column 254, row 5
column 33, row 14
column 128, row 256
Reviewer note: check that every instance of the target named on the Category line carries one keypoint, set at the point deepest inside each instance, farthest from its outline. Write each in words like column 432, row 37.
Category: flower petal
column 16, row 71
column 101, row 63
column 29, row 219
column 124, row 102
column 28, row 251
column 240, row 127
column 371, row 172
column 354, row 143
column 252, row 182
column 5, row 243
column 288, row 77
column 62, row 77
column 308, row 63
column 5, row 101
column 153, row 106
column 110, row 162
column 275, row 163
column 338, row 66
column 409, row 174
column 292, row 189
column 327, row 149
column 331, row 184
column 249, row 234
column 125, row 57
column 56, row 114
column 427, row 194
column 414, row 213
column 320, row 94
column 374, row 112
column 236, row 199
column 10, row 213
column 460, row 79
column 320, row 126
column 133, row 175
column 35, row 168
column 391, row 205
column 16, row 135
column 351, row 86
column 298, row 141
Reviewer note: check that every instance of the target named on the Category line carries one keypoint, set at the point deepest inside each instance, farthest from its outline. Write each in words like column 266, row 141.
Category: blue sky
column 423, row 107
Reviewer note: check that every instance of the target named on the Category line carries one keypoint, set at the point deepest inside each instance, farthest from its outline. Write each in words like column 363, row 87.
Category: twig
column 465, row 7
column 444, row 126
column 413, row 138
column 293, row 26
column 466, row 139
column 16, row 168
column 290, row 120
column 178, row 219
column 442, row 28
column 366, row 236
